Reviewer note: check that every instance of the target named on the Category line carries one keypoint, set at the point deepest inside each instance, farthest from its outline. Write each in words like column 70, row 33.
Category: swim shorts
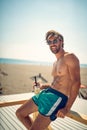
column 49, row 101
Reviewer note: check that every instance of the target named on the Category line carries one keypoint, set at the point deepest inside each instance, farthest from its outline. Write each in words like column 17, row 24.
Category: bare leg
column 24, row 111
column 41, row 123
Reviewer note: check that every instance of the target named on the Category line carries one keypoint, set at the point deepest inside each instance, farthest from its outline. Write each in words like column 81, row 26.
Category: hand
column 44, row 86
column 35, row 84
column 62, row 112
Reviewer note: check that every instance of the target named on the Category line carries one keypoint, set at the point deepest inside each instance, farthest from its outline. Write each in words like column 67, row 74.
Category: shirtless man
column 54, row 100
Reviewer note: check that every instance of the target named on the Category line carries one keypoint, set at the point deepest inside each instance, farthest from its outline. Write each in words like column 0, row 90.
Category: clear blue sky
column 24, row 23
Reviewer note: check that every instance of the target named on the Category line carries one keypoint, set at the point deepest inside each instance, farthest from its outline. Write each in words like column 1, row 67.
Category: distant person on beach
column 54, row 100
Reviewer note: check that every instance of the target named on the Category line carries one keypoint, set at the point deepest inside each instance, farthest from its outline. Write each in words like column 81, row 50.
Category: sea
column 19, row 61
column 30, row 62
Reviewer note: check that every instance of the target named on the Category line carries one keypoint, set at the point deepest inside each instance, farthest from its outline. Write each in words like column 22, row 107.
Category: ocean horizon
column 20, row 61
column 30, row 62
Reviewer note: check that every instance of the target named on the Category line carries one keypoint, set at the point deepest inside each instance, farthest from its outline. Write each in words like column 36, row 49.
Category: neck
column 60, row 54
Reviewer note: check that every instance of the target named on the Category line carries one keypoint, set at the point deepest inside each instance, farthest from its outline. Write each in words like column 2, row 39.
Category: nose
column 52, row 44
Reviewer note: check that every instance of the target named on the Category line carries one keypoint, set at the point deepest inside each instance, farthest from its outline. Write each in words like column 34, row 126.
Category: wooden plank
column 18, row 99
column 67, row 124
column 9, row 117
column 6, row 121
column 70, row 114
column 3, row 125
column 10, row 103
column 76, row 117
column 9, row 100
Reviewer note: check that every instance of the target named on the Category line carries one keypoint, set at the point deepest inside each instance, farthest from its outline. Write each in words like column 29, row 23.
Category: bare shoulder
column 71, row 59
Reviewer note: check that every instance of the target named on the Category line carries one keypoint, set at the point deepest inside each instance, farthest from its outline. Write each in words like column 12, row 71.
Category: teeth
column 53, row 47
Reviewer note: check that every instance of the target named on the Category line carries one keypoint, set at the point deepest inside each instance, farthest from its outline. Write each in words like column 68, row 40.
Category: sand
column 16, row 78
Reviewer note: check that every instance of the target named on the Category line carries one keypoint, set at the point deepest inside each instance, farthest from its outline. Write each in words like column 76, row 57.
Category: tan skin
column 66, row 79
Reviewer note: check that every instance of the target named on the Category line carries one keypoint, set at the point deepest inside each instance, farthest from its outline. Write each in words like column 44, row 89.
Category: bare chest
column 60, row 68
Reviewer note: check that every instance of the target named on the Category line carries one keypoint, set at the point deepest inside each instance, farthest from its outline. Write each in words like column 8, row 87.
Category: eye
column 49, row 42
column 55, row 41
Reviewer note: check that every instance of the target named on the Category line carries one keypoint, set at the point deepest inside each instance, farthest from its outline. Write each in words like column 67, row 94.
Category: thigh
column 41, row 122
column 28, row 107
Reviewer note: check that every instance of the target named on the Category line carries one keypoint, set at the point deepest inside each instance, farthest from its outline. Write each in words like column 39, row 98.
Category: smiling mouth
column 53, row 47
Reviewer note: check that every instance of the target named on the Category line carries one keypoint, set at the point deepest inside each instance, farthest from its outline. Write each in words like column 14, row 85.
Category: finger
column 60, row 114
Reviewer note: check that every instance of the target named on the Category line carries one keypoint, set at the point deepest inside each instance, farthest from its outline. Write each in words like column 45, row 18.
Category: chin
column 54, row 52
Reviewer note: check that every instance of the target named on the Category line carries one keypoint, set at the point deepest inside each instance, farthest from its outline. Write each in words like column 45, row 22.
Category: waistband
column 56, row 92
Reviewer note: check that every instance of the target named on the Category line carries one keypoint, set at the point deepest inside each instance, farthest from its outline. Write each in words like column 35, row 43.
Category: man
column 56, row 99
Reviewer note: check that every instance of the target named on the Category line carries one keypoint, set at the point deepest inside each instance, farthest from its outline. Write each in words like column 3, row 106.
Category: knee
column 18, row 113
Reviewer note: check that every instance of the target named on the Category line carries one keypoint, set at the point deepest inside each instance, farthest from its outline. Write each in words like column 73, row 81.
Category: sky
column 24, row 23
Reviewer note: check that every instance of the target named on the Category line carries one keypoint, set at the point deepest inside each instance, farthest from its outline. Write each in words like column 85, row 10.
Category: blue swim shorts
column 49, row 101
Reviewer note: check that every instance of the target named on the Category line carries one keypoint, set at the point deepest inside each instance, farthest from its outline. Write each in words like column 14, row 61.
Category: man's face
column 54, row 44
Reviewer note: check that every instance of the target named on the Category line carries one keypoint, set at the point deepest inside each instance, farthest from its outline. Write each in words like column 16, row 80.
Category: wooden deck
column 9, row 121
column 14, row 99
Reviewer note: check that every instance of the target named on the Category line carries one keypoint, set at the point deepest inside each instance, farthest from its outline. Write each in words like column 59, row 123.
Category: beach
column 17, row 78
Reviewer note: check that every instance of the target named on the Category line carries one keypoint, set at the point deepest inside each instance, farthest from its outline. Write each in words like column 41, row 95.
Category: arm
column 73, row 94
column 74, row 73
column 44, row 86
